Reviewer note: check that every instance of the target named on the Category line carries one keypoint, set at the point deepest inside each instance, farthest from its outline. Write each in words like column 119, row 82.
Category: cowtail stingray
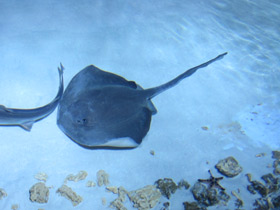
column 100, row 109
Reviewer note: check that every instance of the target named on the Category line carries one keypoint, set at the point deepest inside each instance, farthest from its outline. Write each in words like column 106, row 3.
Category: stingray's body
column 102, row 109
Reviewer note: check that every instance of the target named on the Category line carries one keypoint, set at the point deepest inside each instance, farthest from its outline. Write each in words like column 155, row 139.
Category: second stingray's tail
column 152, row 92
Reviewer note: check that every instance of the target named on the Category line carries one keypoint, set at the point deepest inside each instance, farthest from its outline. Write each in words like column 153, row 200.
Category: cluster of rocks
column 268, row 189
column 214, row 194
column 143, row 199
column 39, row 192
column 206, row 192
column 276, row 163
column 206, row 196
column 168, row 187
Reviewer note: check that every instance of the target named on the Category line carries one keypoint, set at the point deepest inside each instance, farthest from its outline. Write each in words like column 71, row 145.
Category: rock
column 117, row 204
column 262, row 154
column 68, row 193
column 112, row 189
column 276, row 166
column 208, row 196
column 166, row 206
column 192, row 206
column 270, row 202
column 39, row 193
column 104, row 201
column 205, row 128
column 145, row 198
column 271, row 182
column 122, row 193
column 184, row 184
column 3, row 193
column 91, row 184
column 41, row 176
column 229, row 167
column 80, row 176
column 239, row 202
column 275, row 199
column 259, row 187
column 276, row 171
column 270, row 192
column 261, row 204
column 204, row 196
column 251, row 189
column 14, row 207
column 271, row 185
column 276, row 163
column 249, row 177
column 102, row 178
column 276, row 155
column 166, row 186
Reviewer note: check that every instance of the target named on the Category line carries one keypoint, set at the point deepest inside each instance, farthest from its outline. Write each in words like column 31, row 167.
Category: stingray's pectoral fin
column 119, row 143
column 3, row 108
column 151, row 107
column 27, row 125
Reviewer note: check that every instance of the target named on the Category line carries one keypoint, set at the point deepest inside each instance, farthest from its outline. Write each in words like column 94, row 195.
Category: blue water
column 237, row 98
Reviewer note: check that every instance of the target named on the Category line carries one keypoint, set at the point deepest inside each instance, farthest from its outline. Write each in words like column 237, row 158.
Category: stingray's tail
column 152, row 92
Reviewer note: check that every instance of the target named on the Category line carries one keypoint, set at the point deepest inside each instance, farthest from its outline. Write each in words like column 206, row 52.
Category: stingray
column 25, row 118
column 100, row 109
